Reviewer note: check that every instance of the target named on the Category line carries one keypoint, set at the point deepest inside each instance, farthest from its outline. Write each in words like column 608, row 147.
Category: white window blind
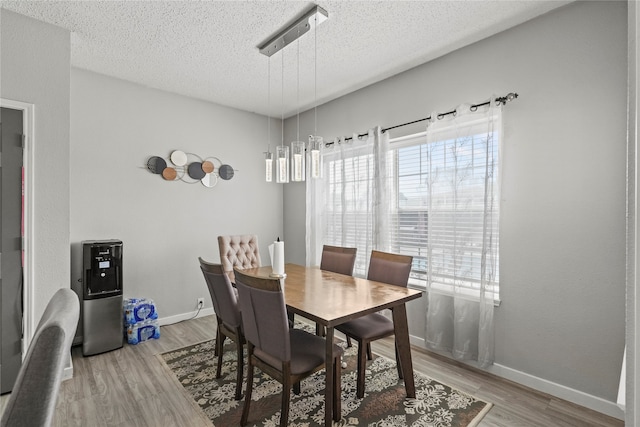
column 441, row 213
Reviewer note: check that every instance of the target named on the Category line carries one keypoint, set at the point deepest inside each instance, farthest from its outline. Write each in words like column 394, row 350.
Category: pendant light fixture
column 299, row 149
column 315, row 141
column 268, row 155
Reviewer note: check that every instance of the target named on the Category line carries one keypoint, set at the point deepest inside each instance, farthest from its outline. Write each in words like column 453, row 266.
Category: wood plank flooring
column 131, row 387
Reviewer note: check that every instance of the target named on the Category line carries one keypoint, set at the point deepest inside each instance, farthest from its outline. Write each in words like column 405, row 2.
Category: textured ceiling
column 208, row 49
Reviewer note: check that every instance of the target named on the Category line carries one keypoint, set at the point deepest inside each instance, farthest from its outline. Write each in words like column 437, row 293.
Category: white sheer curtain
column 371, row 190
column 462, row 245
column 351, row 203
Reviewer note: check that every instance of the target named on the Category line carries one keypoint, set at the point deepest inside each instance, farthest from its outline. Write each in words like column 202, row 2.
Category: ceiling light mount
column 291, row 33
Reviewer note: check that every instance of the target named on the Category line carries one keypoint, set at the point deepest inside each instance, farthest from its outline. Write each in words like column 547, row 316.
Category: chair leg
column 348, row 341
column 369, row 355
column 215, row 347
column 239, row 369
column 247, row 394
column 337, row 391
column 291, row 316
column 296, row 387
column 362, row 367
column 219, row 344
column 286, row 398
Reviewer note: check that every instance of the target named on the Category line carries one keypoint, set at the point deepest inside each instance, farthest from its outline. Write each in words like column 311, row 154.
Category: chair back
column 224, row 298
column 338, row 259
column 33, row 399
column 264, row 316
column 389, row 268
column 240, row 251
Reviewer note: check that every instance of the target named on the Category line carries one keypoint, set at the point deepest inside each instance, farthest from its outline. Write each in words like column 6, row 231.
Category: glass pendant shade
column 298, row 171
column 268, row 166
column 282, row 164
column 315, row 158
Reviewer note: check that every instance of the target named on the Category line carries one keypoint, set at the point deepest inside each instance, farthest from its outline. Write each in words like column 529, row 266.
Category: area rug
column 384, row 403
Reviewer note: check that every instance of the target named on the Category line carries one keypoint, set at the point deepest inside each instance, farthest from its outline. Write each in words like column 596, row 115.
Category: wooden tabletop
column 331, row 298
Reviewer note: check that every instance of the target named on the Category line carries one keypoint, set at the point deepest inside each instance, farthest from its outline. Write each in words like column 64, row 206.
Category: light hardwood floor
column 131, row 387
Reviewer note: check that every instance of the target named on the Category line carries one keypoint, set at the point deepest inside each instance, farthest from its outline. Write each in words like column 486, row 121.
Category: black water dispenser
column 102, row 317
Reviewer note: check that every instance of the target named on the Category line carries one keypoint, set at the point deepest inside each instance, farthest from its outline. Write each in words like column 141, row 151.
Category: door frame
column 28, row 129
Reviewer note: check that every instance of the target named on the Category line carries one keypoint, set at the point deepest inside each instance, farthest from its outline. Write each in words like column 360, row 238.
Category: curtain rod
column 499, row 101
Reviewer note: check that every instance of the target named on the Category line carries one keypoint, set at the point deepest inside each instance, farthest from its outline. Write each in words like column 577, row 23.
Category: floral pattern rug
column 384, row 402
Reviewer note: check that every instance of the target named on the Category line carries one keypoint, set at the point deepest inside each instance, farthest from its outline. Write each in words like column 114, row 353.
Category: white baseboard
column 164, row 321
column 558, row 390
column 67, row 372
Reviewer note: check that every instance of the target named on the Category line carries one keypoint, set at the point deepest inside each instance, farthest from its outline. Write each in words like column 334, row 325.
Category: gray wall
column 562, row 272
column 165, row 226
column 35, row 61
column 631, row 415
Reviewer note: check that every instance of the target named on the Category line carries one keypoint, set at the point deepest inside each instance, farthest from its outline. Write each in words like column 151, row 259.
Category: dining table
column 330, row 299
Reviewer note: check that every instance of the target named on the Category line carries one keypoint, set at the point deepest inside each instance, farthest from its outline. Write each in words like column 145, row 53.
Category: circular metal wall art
column 210, row 180
column 156, row 164
column 169, row 174
column 190, row 168
column 207, row 166
column 226, row 172
column 195, row 171
column 179, row 158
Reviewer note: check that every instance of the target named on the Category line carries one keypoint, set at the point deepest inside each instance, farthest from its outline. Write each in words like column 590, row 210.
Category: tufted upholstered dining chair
column 240, row 251
column 225, row 304
column 288, row 355
column 33, row 399
column 386, row 268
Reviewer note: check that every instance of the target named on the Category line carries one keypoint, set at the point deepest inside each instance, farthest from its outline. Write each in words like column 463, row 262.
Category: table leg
column 401, row 329
column 328, row 390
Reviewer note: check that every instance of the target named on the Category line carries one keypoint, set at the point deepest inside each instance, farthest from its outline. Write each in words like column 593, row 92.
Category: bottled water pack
column 140, row 320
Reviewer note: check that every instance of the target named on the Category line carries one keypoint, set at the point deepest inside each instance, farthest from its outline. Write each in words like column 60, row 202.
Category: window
column 440, row 209
column 441, row 205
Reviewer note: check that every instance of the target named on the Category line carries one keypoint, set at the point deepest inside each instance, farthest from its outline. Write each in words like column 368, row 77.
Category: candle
column 268, row 169
column 315, row 164
column 297, row 167
column 282, row 165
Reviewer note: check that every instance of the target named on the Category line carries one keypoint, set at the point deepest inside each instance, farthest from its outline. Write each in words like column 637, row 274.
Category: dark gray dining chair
column 338, row 259
column 32, row 402
column 388, row 268
column 288, row 355
column 225, row 304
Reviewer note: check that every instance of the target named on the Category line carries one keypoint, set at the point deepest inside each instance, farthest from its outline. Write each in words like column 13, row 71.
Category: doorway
column 11, row 266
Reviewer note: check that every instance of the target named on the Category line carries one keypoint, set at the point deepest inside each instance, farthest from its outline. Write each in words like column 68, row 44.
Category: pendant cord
column 282, row 99
column 298, row 90
column 269, row 106
column 315, row 77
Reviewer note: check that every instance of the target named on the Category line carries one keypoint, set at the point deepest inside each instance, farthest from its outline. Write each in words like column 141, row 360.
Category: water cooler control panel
column 102, row 268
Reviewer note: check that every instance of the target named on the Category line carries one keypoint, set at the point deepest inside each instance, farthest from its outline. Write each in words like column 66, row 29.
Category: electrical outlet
column 200, row 302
